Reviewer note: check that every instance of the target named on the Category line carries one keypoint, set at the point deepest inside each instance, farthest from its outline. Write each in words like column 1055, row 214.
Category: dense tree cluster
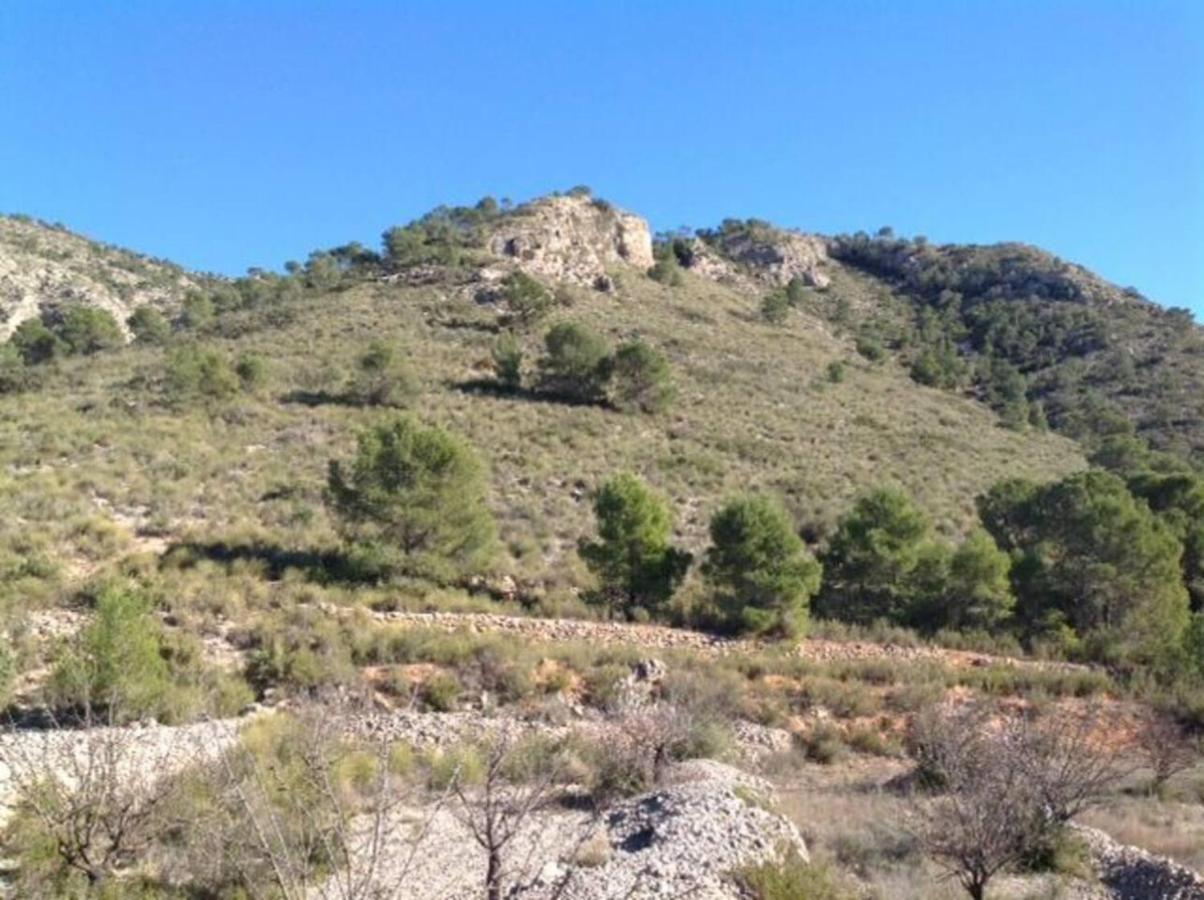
column 579, row 365
column 1037, row 339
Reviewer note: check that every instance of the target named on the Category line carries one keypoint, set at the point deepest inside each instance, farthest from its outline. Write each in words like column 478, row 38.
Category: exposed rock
column 46, row 269
column 705, row 262
column 776, row 255
column 682, row 840
column 573, row 239
column 1130, row 873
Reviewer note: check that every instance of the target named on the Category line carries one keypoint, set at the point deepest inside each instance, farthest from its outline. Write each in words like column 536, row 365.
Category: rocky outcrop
column 773, row 254
column 574, row 239
column 45, row 269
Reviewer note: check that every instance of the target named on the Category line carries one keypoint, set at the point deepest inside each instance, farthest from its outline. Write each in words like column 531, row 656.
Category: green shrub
column 86, row 330
column 15, row 375
column 775, row 307
column 640, row 378
column 871, row 347
column 792, row 878
column 440, row 692
column 149, row 326
column 252, row 372
column 526, row 298
column 197, row 313
column 835, row 371
column 116, row 664
column 667, row 268
column 823, row 743
column 7, row 670
column 508, row 362
column 35, row 342
column 382, row 378
column 197, row 373
column 576, row 364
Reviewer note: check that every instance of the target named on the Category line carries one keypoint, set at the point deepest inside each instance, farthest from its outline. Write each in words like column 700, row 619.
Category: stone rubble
column 684, row 839
column 1131, row 873
column 660, row 637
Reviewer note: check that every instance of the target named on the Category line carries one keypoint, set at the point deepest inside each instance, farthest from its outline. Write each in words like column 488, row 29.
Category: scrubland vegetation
column 222, row 515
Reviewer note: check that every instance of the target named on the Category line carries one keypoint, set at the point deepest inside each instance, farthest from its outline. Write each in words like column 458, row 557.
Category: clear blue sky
column 230, row 134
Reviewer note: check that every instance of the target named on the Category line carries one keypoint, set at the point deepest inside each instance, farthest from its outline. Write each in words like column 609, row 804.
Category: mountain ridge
column 1008, row 324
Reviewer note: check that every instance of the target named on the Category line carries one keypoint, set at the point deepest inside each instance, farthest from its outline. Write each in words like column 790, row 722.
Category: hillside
column 1094, row 355
column 755, row 409
column 47, row 269
column 208, row 650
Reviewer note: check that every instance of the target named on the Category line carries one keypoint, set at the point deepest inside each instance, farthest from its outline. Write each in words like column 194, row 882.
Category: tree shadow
column 488, row 387
column 320, row 398
column 325, row 567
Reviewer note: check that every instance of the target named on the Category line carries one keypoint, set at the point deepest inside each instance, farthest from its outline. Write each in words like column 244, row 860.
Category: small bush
column 508, row 362
column 576, row 364
column 197, row 313
column 196, row 373
column 85, row 330
column 527, row 299
column 149, row 326
column 116, row 663
column 792, row 878
column 382, row 378
column 640, row 379
column 823, row 743
column 35, row 342
column 440, row 692
column 775, row 307
column 252, row 372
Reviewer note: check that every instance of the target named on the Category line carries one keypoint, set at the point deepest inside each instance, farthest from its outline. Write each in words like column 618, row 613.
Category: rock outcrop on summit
column 574, row 239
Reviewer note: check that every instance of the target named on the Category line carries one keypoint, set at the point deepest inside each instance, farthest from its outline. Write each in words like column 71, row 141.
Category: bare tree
column 1067, row 755
column 326, row 817
column 519, row 779
column 1165, row 747
column 988, row 813
column 100, row 795
column 1007, row 784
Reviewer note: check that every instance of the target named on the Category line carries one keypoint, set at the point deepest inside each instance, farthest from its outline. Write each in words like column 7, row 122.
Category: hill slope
column 1094, row 355
column 45, row 268
column 756, row 409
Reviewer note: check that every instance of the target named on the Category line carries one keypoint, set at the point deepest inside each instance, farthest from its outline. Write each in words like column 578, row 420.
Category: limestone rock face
column 573, row 239
column 44, row 268
column 777, row 256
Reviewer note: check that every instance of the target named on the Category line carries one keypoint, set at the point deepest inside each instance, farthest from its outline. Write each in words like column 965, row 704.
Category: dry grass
column 1172, row 827
column 95, row 447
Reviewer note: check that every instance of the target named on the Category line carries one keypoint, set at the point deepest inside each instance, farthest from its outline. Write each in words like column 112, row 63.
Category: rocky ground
column 680, row 840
